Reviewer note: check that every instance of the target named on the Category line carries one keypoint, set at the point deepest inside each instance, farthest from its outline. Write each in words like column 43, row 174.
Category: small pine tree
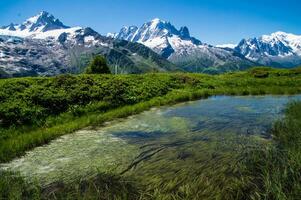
column 98, row 65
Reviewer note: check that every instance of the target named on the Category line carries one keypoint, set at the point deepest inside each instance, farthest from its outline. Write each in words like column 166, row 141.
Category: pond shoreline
column 244, row 115
column 173, row 161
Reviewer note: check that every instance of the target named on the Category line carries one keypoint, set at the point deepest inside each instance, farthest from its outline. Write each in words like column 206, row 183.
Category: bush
column 260, row 72
column 18, row 112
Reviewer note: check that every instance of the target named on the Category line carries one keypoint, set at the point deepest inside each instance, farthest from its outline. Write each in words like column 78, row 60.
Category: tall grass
column 276, row 169
column 103, row 187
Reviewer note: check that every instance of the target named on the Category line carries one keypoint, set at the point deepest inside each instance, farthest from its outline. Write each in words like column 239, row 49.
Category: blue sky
column 211, row 21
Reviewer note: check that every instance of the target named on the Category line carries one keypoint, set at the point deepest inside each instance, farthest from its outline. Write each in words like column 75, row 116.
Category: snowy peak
column 275, row 44
column 280, row 48
column 288, row 39
column 158, row 24
column 230, row 46
column 151, row 30
column 43, row 22
column 159, row 28
column 280, row 36
column 45, row 26
column 41, row 26
column 157, row 21
column 126, row 33
column 39, row 23
column 177, row 46
column 10, row 27
column 161, row 36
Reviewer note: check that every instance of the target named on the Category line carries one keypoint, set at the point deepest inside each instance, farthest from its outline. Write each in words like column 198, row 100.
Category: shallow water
column 160, row 141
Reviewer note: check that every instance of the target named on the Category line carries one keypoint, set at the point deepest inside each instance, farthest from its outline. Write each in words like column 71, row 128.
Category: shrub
column 260, row 72
column 19, row 112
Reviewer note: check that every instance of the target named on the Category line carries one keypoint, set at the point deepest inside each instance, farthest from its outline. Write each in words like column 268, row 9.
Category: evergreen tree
column 98, row 65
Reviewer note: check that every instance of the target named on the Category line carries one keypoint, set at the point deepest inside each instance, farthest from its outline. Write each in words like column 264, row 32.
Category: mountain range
column 44, row 46
column 185, row 51
column 279, row 49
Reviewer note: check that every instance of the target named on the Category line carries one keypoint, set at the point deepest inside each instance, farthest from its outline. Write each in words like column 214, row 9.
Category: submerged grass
column 208, row 170
column 102, row 187
column 254, row 169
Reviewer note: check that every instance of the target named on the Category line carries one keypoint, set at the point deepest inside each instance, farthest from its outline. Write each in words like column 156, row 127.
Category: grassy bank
column 33, row 111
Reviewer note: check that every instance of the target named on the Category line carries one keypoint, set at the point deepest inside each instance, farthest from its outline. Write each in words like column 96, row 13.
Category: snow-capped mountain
column 36, row 27
column 230, row 46
column 161, row 36
column 179, row 47
column 39, row 23
column 46, row 26
column 43, row 45
column 278, row 49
